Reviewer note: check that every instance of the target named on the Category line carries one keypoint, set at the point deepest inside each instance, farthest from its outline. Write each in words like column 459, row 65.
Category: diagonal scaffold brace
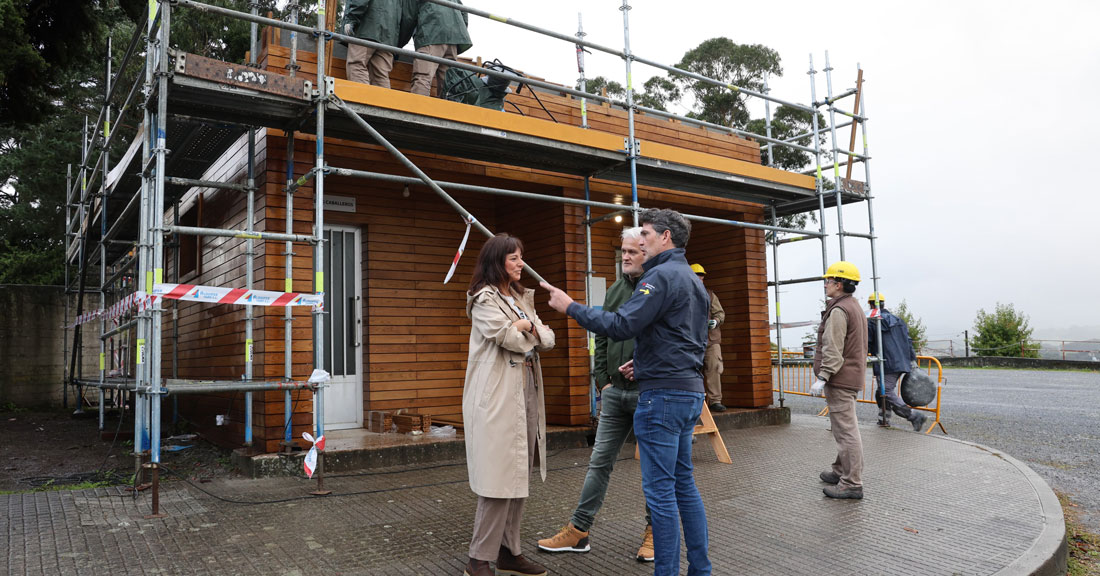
column 420, row 174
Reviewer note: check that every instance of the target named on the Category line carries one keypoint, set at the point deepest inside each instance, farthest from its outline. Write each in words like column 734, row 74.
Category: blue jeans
column 663, row 423
column 616, row 420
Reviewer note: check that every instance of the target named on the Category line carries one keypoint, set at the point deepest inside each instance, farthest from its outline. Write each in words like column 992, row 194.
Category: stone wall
column 32, row 345
column 1008, row 362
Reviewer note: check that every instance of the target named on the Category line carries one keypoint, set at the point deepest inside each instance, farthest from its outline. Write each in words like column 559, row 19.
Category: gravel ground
column 1048, row 419
column 54, row 448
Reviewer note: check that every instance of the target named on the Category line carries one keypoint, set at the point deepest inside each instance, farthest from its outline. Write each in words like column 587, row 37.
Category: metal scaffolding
column 130, row 270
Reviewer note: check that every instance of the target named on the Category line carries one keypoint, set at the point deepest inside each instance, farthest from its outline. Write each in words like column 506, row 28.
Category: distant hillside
column 1070, row 333
column 1087, row 351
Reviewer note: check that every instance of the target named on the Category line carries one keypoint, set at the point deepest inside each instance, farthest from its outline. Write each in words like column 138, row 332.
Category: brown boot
column 568, row 539
column 510, row 565
column 645, row 552
column 478, row 568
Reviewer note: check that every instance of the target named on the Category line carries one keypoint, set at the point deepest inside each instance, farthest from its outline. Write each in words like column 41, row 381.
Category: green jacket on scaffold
column 610, row 354
column 436, row 24
column 375, row 20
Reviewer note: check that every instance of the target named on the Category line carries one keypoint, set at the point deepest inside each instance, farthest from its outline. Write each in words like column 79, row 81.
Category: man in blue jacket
column 898, row 357
column 667, row 316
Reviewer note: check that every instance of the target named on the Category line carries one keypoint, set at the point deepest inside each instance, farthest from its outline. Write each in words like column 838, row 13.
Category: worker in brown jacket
column 840, row 363
column 712, row 359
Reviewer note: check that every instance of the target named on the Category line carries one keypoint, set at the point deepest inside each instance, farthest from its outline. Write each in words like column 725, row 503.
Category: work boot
column 478, row 568
column 645, row 552
column 918, row 421
column 517, row 565
column 717, row 407
column 837, row 492
column 829, row 477
column 568, row 539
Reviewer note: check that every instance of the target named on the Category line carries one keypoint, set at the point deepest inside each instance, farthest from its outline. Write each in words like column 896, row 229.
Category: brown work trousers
column 849, row 445
column 712, row 372
column 424, row 71
column 369, row 66
column 497, row 520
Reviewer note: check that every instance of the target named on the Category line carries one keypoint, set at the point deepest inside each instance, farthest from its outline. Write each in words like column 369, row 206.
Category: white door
column 343, row 331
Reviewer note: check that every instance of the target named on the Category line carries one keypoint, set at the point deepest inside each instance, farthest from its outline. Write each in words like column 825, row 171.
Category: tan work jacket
column 714, row 335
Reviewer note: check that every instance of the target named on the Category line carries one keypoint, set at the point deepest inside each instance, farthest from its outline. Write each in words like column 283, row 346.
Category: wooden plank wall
column 734, row 259
column 416, row 333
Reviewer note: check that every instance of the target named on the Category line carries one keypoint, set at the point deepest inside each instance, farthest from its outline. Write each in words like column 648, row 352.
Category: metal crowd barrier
column 798, row 377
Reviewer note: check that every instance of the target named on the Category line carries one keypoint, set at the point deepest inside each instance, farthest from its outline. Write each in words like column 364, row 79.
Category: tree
column 916, row 327
column 1005, row 332
column 596, row 85
column 787, row 123
column 51, row 79
column 41, row 40
column 722, row 59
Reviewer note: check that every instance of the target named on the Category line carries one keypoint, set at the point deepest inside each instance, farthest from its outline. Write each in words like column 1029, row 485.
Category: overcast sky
column 980, row 117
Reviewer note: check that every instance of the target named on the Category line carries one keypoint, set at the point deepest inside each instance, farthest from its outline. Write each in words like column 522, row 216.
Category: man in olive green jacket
column 620, row 400
column 440, row 32
column 377, row 21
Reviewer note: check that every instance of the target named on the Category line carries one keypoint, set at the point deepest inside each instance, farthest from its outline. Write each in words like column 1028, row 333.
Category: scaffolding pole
column 836, row 149
column 249, row 245
column 102, row 231
column 874, row 251
column 156, row 274
column 631, row 142
column 593, row 386
column 319, row 231
column 582, row 84
column 819, row 184
column 288, row 285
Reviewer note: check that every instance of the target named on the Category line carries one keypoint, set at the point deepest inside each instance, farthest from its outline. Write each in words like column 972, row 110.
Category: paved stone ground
column 1048, row 419
column 945, row 508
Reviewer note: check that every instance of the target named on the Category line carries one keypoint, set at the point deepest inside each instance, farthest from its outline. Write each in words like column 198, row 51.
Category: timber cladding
column 415, row 331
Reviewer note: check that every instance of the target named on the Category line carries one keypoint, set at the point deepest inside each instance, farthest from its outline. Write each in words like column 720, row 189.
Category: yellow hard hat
column 876, row 296
column 842, row 269
column 698, row 268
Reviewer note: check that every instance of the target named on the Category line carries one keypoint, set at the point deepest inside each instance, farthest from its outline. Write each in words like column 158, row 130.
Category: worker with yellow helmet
column 840, row 363
column 898, row 357
column 712, row 359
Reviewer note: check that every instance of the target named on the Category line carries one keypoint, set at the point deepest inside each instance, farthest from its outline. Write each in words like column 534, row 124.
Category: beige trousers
column 424, row 71
column 849, row 445
column 712, row 372
column 497, row 520
column 369, row 66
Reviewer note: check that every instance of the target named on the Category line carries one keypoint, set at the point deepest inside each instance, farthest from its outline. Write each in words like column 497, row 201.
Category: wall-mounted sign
column 339, row 204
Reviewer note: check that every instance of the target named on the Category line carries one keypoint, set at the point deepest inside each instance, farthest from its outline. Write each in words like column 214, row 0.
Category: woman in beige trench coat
column 502, row 406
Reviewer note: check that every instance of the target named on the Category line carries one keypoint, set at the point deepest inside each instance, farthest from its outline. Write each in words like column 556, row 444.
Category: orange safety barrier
column 797, row 377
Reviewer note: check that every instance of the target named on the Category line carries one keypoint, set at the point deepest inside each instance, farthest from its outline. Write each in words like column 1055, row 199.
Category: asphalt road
column 1048, row 419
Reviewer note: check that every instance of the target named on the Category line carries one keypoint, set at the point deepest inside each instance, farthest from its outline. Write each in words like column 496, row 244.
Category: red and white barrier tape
column 214, row 295
column 454, row 264
column 310, row 462
column 207, row 294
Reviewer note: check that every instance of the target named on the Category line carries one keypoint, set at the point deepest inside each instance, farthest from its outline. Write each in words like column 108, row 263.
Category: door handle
column 355, row 321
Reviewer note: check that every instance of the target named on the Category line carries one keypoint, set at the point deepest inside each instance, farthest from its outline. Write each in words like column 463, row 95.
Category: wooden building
column 396, row 335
